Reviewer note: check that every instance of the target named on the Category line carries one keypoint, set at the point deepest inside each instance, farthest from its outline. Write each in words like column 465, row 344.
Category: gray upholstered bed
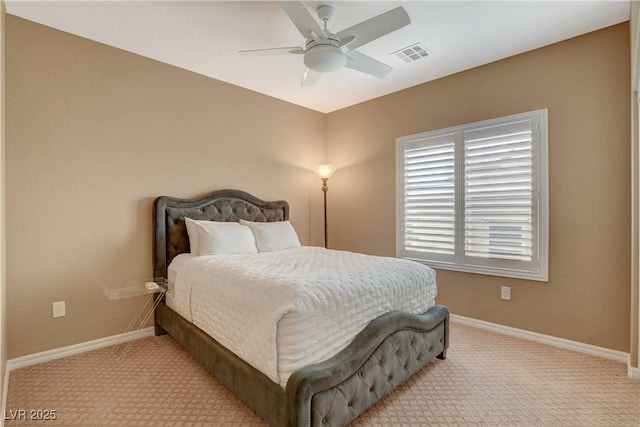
column 333, row 392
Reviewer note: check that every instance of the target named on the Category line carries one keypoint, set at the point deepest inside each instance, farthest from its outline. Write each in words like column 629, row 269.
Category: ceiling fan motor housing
column 324, row 56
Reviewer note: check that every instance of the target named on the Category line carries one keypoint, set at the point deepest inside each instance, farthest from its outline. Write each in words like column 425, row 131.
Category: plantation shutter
column 474, row 197
column 429, row 192
column 498, row 192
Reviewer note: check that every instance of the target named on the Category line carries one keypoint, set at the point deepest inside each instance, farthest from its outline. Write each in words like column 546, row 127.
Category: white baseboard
column 633, row 372
column 58, row 353
column 5, row 391
column 606, row 353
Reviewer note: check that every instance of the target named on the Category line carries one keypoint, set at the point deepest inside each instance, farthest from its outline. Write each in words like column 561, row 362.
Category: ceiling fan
column 325, row 51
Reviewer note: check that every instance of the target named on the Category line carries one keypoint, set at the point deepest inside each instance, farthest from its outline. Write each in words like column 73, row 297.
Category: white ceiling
column 205, row 36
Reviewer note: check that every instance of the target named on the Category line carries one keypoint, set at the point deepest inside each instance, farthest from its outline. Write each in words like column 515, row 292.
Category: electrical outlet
column 59, row 309
column 505, row 293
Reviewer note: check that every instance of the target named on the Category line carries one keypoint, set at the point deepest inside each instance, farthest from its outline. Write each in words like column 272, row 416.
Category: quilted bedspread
column 283, row 310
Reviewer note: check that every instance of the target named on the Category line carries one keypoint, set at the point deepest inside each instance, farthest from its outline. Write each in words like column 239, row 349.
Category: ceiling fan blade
column 303, row 20
column 366, row 64
column 272, row 51
column 309, row 78
column 375, row 27
column 345, row 41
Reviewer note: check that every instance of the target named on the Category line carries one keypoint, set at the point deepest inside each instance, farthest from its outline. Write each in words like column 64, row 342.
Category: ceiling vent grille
column 412, row 53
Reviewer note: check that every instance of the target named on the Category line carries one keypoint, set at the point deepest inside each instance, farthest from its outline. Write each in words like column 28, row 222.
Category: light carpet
column 487, row 380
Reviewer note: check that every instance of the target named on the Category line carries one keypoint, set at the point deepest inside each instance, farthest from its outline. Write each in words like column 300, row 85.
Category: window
column 474, row 197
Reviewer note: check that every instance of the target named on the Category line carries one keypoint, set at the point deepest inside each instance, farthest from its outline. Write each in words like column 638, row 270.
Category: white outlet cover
column 505, row 293
column 59, row 309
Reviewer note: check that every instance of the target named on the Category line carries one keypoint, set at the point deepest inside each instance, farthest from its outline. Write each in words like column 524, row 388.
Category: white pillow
column 192, row 231
column 221, row 238
column 273, row 236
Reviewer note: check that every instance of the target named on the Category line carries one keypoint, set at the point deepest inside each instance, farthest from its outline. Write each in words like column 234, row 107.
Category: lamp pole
column 324, row 191
column 324, row 172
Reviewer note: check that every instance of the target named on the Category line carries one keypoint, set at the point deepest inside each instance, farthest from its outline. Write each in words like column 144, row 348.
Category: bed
column 334, row 391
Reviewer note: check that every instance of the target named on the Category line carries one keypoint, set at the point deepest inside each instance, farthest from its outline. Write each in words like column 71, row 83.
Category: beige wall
column 3, row 271
column 94, row 135
column 635, row 185
column 584, row 82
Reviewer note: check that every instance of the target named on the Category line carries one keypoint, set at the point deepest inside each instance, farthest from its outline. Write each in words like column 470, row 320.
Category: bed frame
column 334, row 392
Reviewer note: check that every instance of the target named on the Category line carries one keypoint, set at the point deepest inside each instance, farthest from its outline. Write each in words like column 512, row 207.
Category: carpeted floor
column 486, row 380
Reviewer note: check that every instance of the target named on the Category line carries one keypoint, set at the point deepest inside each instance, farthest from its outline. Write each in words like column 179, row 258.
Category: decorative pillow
column 273, row 236
column 221, row 238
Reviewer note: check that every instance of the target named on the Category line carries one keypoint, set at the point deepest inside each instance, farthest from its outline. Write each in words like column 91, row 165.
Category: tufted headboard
column 170, row 232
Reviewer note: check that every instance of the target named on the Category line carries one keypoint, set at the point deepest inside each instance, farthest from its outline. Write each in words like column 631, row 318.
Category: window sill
column 485, row 270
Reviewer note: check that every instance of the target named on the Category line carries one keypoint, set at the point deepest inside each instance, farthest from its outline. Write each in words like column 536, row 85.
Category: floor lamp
column 324, row 172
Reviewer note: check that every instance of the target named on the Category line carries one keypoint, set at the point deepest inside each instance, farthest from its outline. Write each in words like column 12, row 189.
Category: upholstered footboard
column 387, row 352
column 334, row 392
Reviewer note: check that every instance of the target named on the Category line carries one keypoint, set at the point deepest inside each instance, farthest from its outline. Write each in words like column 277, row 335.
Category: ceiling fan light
column 325, row 58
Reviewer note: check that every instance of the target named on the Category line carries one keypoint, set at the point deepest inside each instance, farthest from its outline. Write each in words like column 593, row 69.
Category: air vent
column 412, row 53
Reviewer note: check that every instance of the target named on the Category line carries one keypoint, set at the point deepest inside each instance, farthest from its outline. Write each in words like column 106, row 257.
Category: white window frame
column 538, row 268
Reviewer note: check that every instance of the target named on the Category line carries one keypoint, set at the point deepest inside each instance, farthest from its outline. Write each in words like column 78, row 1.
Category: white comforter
column 283, row 310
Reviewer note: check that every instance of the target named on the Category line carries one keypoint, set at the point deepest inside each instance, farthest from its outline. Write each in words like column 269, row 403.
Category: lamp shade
column 325, row 171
